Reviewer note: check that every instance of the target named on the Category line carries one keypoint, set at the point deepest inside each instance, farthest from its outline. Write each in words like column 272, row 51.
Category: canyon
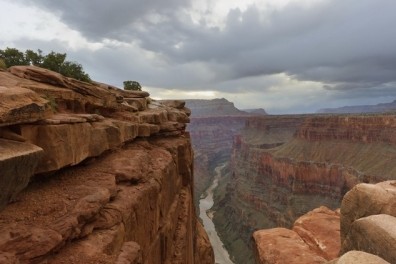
column 90, row 173
column 282, row 167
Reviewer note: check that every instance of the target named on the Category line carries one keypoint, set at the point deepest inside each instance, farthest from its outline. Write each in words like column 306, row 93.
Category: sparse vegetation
column 53, row 61
column 3, row 66
column 132, row 85
column 52, row 103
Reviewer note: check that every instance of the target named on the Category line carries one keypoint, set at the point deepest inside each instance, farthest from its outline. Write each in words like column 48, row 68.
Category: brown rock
column 204, row 251
column 19, row 105
column 139, row 103
column 320, row 229
column 365, row 200
column 8, row 258
column 18, row 162
column 89, row 94
column 375, row 234
column 130, row 254
column 280, row 245
column 358, row 257
column 173, row 103
column 28, row 242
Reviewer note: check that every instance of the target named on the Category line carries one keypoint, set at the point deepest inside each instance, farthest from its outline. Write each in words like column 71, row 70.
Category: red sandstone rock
column 320, row 229
column 280, row 245
column 19, row 105
column 130, row 254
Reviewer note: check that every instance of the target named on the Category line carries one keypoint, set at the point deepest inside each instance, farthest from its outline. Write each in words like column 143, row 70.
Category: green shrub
column 132, row 85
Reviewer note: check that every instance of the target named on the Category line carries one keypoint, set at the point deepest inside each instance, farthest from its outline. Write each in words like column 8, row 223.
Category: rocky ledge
column 90, row 173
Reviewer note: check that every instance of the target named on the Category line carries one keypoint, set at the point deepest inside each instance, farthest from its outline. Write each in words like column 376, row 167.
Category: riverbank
column 205, row 204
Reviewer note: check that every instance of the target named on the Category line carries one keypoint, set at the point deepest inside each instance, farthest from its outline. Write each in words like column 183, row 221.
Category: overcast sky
column 286, row 56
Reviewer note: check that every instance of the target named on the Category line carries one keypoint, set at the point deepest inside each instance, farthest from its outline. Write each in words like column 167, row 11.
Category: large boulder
column 375, row 234
column 365, row 200
column 358, row 257
column 19, row 105
column 320, row 229
column 281, row 245
column 368, row 220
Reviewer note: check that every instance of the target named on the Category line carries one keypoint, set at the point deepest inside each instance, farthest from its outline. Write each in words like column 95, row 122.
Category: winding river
column 221, row 254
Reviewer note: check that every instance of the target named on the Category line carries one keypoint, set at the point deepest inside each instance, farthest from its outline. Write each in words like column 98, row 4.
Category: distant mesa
column 218, row 107
column 256, row 111
column 379, row 108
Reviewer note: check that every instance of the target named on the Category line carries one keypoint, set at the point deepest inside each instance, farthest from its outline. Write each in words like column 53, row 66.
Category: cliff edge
column 90, row 173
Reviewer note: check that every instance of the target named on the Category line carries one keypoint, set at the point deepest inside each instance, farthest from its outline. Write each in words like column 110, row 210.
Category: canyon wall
column 94, row 174
column 284, row 166
column 212, row 139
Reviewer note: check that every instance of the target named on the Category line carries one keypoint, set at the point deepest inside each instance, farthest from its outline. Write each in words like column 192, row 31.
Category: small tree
column 53, row 61
column 132, row 85
column 12, row 56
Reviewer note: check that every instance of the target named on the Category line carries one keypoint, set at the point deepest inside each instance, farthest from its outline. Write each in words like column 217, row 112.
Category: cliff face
column 282, row 167
column 94, row 174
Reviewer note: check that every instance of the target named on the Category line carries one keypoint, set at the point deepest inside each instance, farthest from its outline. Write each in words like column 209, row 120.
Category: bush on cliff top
column 132, row 85
column 52, row 61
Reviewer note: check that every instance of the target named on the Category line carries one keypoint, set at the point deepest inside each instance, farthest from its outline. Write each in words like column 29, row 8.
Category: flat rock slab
column 320, row 229
column 281, row 245
column 18, row 161
column 19, row 105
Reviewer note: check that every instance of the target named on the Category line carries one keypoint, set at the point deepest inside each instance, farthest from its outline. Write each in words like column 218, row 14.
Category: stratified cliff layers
column 284, row 166
column 93, row 174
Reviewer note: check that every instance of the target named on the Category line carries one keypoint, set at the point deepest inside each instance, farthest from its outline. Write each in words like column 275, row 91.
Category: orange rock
column 281, row 245
column 320, row 229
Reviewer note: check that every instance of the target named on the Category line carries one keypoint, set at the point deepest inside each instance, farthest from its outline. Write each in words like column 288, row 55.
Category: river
column 221, row 254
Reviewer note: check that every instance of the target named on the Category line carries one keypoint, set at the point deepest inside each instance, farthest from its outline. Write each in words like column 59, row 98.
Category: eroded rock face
column 19, row 105
column 118, row 183
column 18, row 161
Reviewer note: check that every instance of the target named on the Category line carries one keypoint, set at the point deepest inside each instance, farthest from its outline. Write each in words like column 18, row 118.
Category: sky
column 286, row 56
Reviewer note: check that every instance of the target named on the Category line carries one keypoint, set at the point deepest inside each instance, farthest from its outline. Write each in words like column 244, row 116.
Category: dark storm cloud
column 100, row 19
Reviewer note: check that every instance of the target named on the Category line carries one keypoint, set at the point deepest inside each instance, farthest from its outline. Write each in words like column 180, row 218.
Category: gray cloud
column 107, row 19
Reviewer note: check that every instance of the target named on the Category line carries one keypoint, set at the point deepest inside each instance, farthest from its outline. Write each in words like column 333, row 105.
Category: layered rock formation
column 94, row 174
column 284, row 166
